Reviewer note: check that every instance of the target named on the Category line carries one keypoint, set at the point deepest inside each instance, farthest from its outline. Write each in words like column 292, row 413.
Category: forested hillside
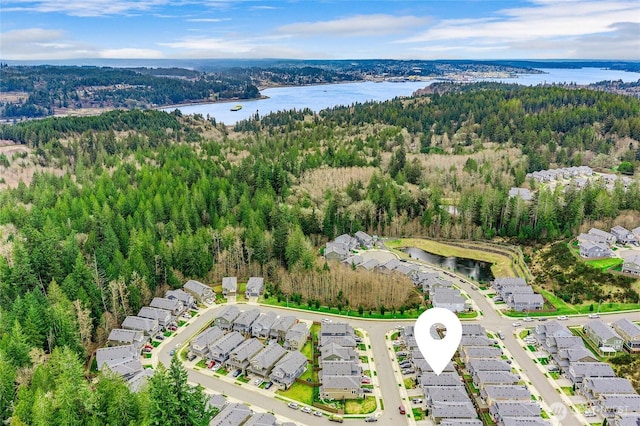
column 145, row 200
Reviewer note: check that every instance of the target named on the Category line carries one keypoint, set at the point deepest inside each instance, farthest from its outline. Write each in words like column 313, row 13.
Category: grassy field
column 360, row 406
column 605, row 264
column 501, row 264
column 299, row 392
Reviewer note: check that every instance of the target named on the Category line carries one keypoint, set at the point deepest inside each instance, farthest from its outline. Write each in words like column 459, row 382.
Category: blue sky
column 304, row 29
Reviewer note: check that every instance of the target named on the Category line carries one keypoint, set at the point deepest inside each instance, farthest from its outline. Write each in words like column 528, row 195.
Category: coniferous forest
column 127, row 204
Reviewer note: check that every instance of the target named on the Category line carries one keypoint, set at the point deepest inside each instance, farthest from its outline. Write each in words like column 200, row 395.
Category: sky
column 43, row 30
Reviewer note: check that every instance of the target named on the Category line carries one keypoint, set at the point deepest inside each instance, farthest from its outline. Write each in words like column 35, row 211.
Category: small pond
column 474, row 269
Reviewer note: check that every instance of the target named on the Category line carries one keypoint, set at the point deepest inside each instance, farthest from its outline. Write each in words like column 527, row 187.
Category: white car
column 306, row 410
column 594, row 315
column 257, row 382
column 527, row 319
column 293, row 405
column 563, row 317
column 517, row 324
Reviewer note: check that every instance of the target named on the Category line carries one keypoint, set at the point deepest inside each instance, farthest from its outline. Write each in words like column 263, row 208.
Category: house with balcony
column 243, row 322
column 288, row 369
column 631, row 265
column 262, row 326
column 242, row 354
column 202, row 293
column 591, row 250
column 603, row 336
column 226, row 317
column 120, row 337
column 200, row 344
column 296, row 337
column 630, row 333
column 255, row 287
column 150, row 327
column 163, row 317
column 182, row 296
column 221, row 349
column 174, row 306
column 623, row 235
column 263, row 362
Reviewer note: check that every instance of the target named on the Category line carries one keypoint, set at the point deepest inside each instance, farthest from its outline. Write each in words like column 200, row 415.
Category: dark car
column 159, row 337
column 192, row 357
column 237, row 373
column 371, row 419
column 268, row 385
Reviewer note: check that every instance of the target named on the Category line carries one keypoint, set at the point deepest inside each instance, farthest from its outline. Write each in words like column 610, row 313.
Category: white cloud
column 130, row 53
column 35, row 43
column 209, row 47
column 358, row 25
column 563, row 28
column 83, row 7
column 208, row 19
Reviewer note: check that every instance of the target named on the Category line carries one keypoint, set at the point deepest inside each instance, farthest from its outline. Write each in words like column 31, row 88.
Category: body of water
column 324, row 96
column 474, row 269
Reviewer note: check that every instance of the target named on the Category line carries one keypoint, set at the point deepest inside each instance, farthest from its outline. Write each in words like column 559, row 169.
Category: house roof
column 453, row 410
column 155, row 313
column 261, row 419
column 518, row 298
column 336, row 329
column 444, row 379
column 476, row 341
column 488, row 364
column 627, row 329
column 461, row 422
column 255, row 284
column 166, row 304
column 232, row 414
column 602, row 330
column 139, row 323
column 447, row 296
column 217, row 400
column 601, row 233
column 591, row 369
column 482, row 351
column 340, row 368
column 630, row 402
column 577, row 353
column 496, row 377
column 180, row 295
column 602, row 385
column 448, row 394
column 524, row 421
column 370, row 264
column 268, row 356
column 338, row 351
column 503, row 281
column 126, row 336
column 517, row 408
column 123, row 352
column 197, row 287
column 247, row 318
column 340, row 382
column 284, row 323
column 139, row 379
column 265, row 321
column 226, row 344
column 246, row 350
column 473, row 330
column 230, row 283
column 126, row 368
column 498, row 392
column 297, row 332
column 291, row 362
column 229, row 313
column 207, row 337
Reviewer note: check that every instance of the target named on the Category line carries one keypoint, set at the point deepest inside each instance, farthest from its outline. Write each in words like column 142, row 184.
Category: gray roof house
column 288, row 369
column 217, row 401
column 174, row 306
column 125, row 368
column 461, row 422
column 592, row 238
column 339, row 387
column 233, row 414
column 296, row 337
column 340, row 368
column 335, row 352
column 611, row 404
column 337, row 329
column 566, row 357
column 243, row 322
column 524, row 421
column 450, row 299
column 444, row 379
column 483, row 378
column 139, row 380
column 508, row 290
column 436, row 394
column 627, row 419
column 241, row 355
column 120, row 336
column 591, row 250
column 201, row 292
column 227, row 316
column 473, row 330
column 200, row 344
column 364, row 239
column 335, row 251
column 609, row 238
column 430, row 285
column 261, row 419
column 280, row 327
column 500, row 282
column 503, row 409
column 636, row 232
column 631, row 265
column 221, row 349
column 116, row 354
column 453, row 410
column 493, row 393
column 187, row 299
column 487, row 364
column 594, row 387
column 577, row 371
column 163, row 317
column 469, row 352
column 630, row 332
column 149, row 327
column 623, row 235
column 602, row 335
column 255, row 287
column 262, row 326
column 476, row 341
column 264, row 361
column 229, row 286
column 521, row 302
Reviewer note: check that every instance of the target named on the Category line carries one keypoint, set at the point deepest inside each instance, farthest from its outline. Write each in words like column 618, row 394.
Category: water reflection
column 474, row 269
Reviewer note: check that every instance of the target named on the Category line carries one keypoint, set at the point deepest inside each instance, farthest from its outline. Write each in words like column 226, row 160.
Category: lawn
column 409, row 383
column 467, row 315
column 605, row 264
column 418, row 414
column 307, row 350
column 360, row 406
column 299, row 392
column 407, row 314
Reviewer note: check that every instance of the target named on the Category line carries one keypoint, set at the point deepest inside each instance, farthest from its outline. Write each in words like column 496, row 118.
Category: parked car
column 172, row 352
column 186, row 315
column 501, row 335
column 172, row 328
column 563, row 317
column 408, row 371
column 417, row 400
column 258, row 382
column 237, row 372
column 589, row 413
column 306, row 410
column 371, row 419
column 527, row 319
column 292, row 405
column 336, row 418
column 542, row 318
column 317, row 413
column 367, row 390
column 159, row 337
column 192, row 357
column 402, row 410
column 146, row 349
column 594, row 316
column 268, row 385
column 517, row 324
column 366, row 380
column 497, row 299
column 211, row 364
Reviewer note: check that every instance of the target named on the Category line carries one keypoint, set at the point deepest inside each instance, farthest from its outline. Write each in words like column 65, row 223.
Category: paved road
column 387, row 382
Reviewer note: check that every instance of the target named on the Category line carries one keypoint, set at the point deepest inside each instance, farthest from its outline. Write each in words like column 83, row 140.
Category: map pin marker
column 438, row 352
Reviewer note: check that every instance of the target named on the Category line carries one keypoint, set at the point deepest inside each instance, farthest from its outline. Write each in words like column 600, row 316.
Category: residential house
column 296, row 337
column 626, row 419
column 174, row 306
column 341, row 387
column 623, row 235
column 187, row 299
column 370, row 264
column 335, row 352
column 487, row 364
column 139, row 379
column 364, row 239
column 500, row 282
column 281, row 326
column 334, row 251
column 163, row 317
column 461, row 422
column 507, row 291
column 149, row 327
column 611, row 404
column 603, row 336
column 452, row 410
column 221, row 349
column 245, row 320
column 450, row 299
column 493, row 393
column 434, row 395
column 120, row 336
column 430, row 380
column 484, row 378
column 630, row 333
column 577, row 371
column 264, row 361
column 288, row 369
column 631, row 265
column 593, row 387
column 126, row 368
column 229, row 286
column 610, row 239
column 476, row 341
column 261, row 419
column 430, row 285
column 422, row 366
column 202, row 293
column 418, row 277
column 596, row 239
column 232, row 414
column 200, row 344
column 352, row 261
column 505, row 409
column 522, row 302
column 469, row 352
column 565, row 357
column 255, row 287
column 524, row 421
column 472, row 329
column 523, row 193
column 591, row 250
column 217, row 401
column 340, row 333
column 115, row 355
column 340, row 368
column 227, row 316
column 242, row 354
column 636, row 232
column 262, row 326
column 389, row 266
